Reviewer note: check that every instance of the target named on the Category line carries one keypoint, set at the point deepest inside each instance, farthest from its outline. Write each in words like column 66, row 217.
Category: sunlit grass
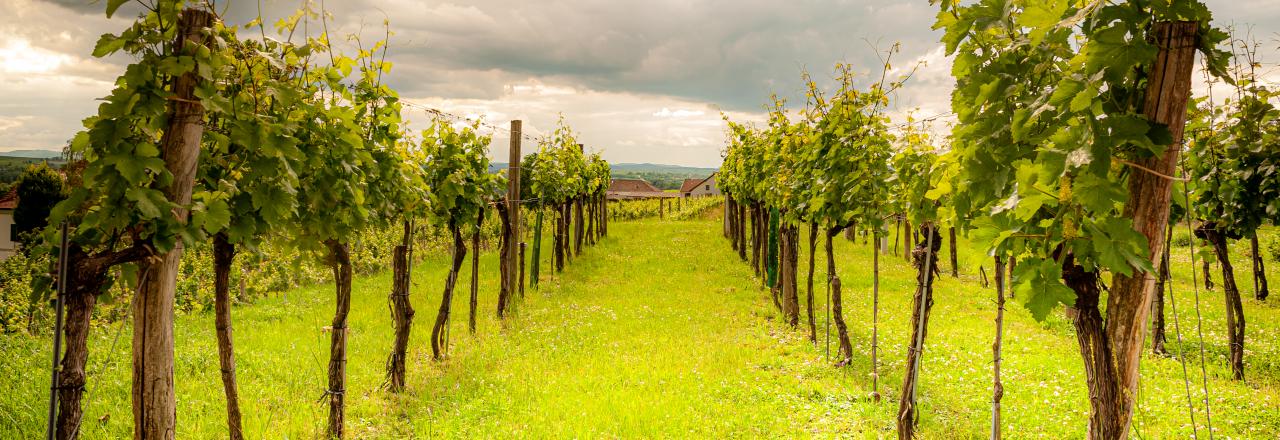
column 660, row 331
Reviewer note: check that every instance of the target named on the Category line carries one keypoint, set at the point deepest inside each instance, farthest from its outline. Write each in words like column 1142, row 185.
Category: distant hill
column 633, row 168
column 660, row 175
column 32, row 154
column 664, row 177
column 660, row 168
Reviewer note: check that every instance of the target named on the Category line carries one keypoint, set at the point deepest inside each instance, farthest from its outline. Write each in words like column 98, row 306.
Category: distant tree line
column 11, row 168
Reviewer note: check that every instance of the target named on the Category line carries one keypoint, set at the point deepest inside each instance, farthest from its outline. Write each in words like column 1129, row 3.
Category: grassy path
column 659, row 332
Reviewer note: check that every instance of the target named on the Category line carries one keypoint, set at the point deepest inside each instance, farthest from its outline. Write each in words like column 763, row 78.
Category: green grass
column 658, row 332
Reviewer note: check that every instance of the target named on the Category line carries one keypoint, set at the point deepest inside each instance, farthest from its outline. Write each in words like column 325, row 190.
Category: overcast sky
column 641, row 81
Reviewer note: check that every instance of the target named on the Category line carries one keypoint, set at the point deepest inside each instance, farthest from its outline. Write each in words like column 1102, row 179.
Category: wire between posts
column 921, row 121
column 1195, row 287
column 494, row 128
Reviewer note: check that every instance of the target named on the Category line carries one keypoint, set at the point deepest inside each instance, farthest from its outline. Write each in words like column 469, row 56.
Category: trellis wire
column 1195, row 285
column 494, row 128
column 1177, row 331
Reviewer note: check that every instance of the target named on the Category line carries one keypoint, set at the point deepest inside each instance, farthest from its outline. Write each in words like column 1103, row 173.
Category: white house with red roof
column 700, row 187
column 8, row 202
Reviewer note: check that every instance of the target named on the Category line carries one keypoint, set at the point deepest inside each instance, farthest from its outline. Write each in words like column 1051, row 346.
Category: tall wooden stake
column 1114, row 386
column 513, row 214
column 154, row 405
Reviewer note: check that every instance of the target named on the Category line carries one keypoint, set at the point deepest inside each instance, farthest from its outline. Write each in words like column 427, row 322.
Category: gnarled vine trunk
column 440, row 331
column 475, row 273
column 579, row 231
column 557, row 239
column 591, row 220
column 505, row 269
column 1207, row 268
column 925, row 260
column 224, row 254
column 567, row 239
column 813, row 248
column 570, row 228
column 730, row 229
column 401, row 311
column 82, row 296
column 1157, row 304
column 837, row 303
column 770, row 279
column 951, row 246
column 908, row 240
column 1260, row 290
column 1105, row 420
column 756, row 239
column 81, row 299
column 741, row 220
column 87, row 277
column 535, row 262
column 1231, row 294
column 789, row 245
column 340, row 262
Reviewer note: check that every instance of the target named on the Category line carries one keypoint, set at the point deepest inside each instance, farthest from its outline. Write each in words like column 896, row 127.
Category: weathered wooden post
column 1129, row 302
column 514, row 248
column 154, row 404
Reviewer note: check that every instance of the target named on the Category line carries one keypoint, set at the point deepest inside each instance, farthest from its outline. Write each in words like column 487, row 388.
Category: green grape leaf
column 143, row 199
column 107, row 45
column 1039, row 285
column 113, row 5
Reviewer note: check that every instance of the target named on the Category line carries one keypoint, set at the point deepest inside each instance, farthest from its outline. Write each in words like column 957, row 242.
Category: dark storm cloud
column 641, row 79
column 730, row 53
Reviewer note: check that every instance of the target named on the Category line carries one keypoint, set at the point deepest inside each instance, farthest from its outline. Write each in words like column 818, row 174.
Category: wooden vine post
column 1150, row 193
column 154, row 410
column 515, row 248
column 402, row 309
column 1123, row 194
